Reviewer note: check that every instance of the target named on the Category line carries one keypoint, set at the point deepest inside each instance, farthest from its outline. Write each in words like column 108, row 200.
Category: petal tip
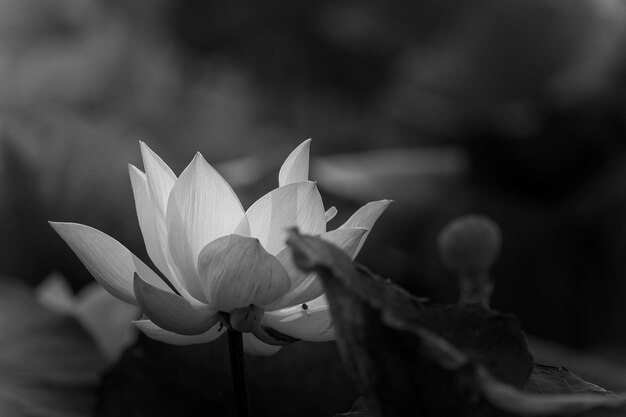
column 55, row 225
column 58, row 226
column 147, row 152
column 296, row 166
column 199, row 161
column 132, row 169
column 303, row 146
column 383, row 203
column 310, row 184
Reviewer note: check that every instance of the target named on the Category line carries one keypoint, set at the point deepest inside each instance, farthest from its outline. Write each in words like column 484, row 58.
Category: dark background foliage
column 515, row 110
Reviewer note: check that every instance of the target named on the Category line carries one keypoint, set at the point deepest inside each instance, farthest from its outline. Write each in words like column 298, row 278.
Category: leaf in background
column 415, row 175
column 59, row 167
column 362, row 408
column 106, row 319
column 156, row 379
column 49, row 366
column 556, row 379
column 489, row 337
column 602, row 370
column 408, row 369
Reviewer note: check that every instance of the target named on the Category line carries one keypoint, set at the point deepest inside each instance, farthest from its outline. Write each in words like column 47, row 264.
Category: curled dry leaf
column 407, row 359
column 558, row 380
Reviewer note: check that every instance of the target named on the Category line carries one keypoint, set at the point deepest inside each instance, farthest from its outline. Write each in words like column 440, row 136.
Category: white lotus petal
column 160, row 177
column 322, row 300
column 171, row 311
column 307, row 286
column 201, row 208
column 161, row 180
column 254, row 346
column 365, row 217
column 310, row 323
column 236, row 272
column 155, row 332
column 152, row 225
column 346, row 238
column 111, row 264
column 296, row 166
column 146, row 216
column 294, row 205
column 330, row 213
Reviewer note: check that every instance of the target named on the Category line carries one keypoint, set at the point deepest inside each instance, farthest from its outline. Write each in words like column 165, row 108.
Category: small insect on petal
column 310, row 323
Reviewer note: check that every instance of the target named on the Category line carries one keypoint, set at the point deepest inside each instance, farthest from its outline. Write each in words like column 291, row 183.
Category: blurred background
column 513, row 109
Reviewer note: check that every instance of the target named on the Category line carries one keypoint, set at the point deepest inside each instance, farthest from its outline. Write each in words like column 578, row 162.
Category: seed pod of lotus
column 470, row 245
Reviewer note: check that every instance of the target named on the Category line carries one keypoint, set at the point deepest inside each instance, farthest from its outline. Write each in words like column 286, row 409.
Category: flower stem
column 476, row 288
column 235, row 350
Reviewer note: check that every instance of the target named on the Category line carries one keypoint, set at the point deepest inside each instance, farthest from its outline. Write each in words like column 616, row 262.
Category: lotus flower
column 217, row 258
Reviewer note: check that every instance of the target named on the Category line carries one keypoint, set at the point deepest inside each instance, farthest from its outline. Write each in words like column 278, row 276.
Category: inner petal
column 201, row 207
column 237, row 272
column 294, row 205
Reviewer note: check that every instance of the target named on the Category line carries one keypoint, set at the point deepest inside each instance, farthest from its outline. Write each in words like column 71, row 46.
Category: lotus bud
column 470, row 245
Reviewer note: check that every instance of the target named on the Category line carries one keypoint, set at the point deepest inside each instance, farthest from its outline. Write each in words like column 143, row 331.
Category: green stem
column 235, row 350
column 476, row 287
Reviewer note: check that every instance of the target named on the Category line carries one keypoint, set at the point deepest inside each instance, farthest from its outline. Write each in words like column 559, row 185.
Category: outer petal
column 155, row 332
column 111, row 264
column 346, row 238
column 306, row 286
column 313, row 323
column 171, row 311
column 147, row 220
column 201, row 208
column 152, row 225
column 296, row 166
column 298, row 204
column 330, row 213
column 365, row 217
column 160, row 178
column 236, row 272
column 322, row 300
column 254, row 346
